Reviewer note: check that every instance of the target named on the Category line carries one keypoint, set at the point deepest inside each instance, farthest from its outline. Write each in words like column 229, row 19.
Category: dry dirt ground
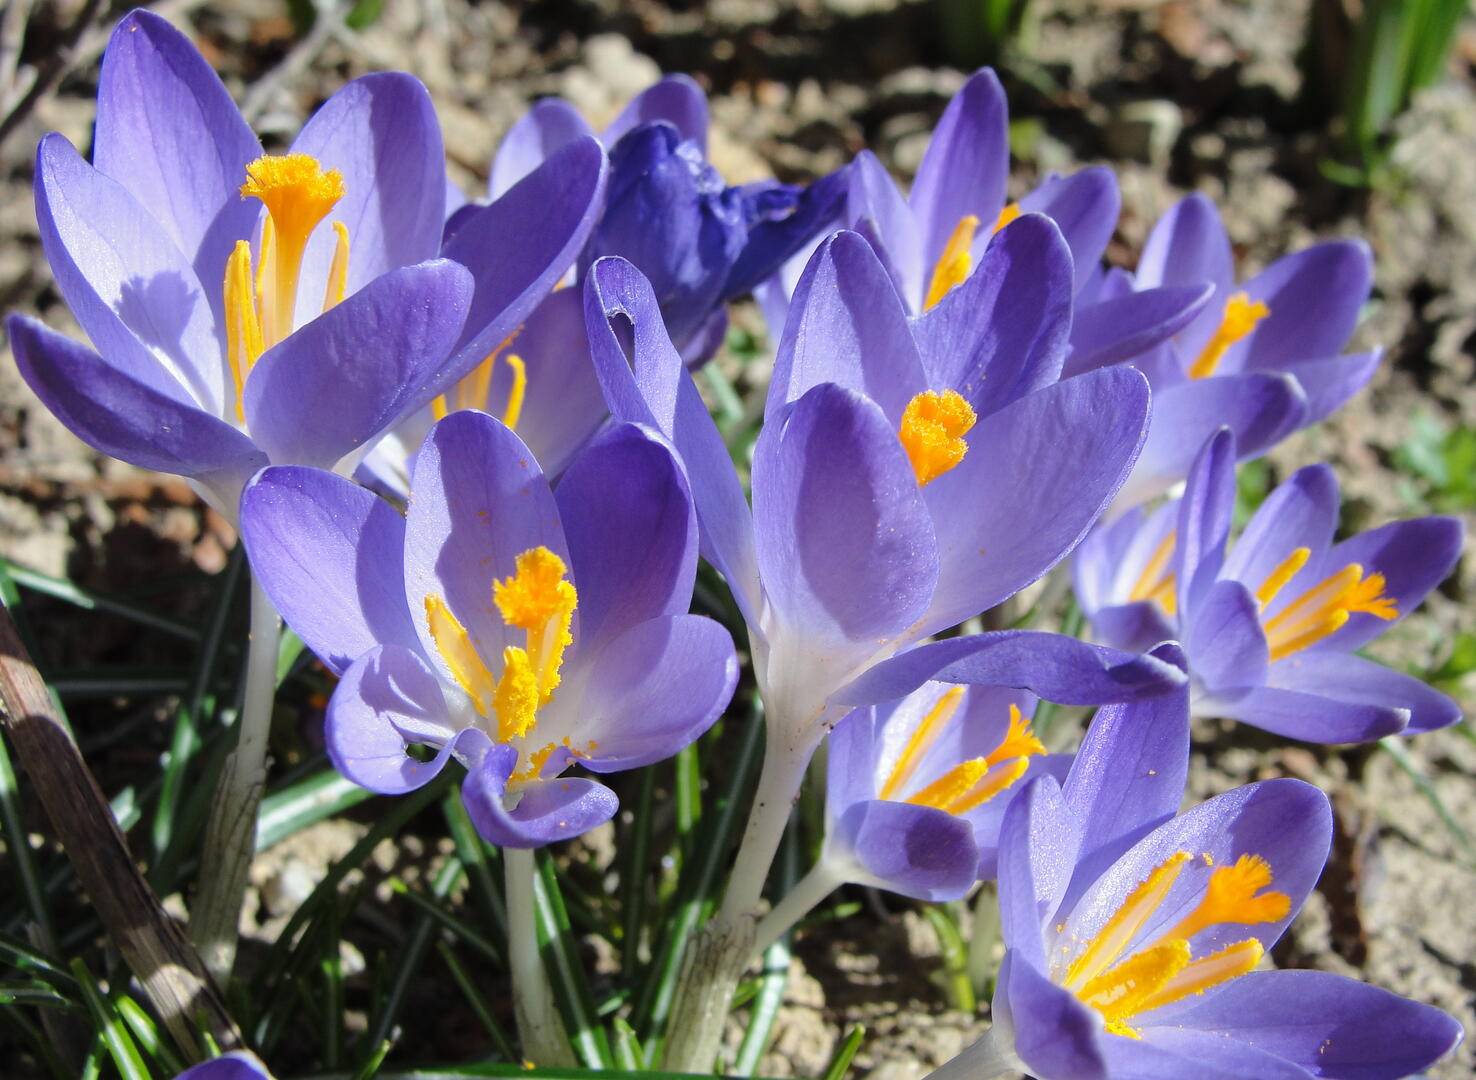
column 1174, row 95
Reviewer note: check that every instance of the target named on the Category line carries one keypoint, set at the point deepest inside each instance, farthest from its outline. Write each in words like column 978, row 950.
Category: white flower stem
column 230, row 834
column 539, row 1027
column 822, row 880
column 990, row 1057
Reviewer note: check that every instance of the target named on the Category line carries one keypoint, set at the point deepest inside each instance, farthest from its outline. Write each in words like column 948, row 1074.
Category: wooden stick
column 151, row 943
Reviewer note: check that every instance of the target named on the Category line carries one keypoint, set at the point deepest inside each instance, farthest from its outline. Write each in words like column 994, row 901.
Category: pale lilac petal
column 1309, row 717
column 677, row 99
column 1301, row 512
column 1344, row 677
column 1226, row 645
column 1329, row 384
column 1188, row 246
column 330, row 555
column 876, row 209
column 916, row 851
column 547, row 127
column 1122, row 329
column 1086, row 206
column 1173, row 1054
column 1038, row 840
column 1315, row 297
column 1204, row 519
column 547, row 810
column 352, row 373
column 1136, row 627
column 1102, row 559
column 1056, row 1036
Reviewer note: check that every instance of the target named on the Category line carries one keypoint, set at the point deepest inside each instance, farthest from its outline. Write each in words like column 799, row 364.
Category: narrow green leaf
column 120, row 1045
column 635, row 852
column 565, row 972
column 18, row 848
column 474, row 999
column 411, row 953
column 956, row 981
column 1391, row 745
column 147, row 1033
column 61, row 589
column 839, row 1064
column 305, row 803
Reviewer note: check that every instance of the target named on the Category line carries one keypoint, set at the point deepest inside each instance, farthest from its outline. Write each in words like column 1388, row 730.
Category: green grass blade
column 120, row 1045
column 305, row 803
column 61, row 589
column 956, row 982
column 424, row 905
column 565, row 972
column 18, row 848
column 635, row 849
column 483, row 870
column 841, row 1063
column 411, row 953
column 1392, row 746
column 147, row 1034
column 475, row 1000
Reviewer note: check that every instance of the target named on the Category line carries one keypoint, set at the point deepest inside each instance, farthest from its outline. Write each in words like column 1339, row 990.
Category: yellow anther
column 1156, row 583
column 516, row 392
column 1324, row 609
column 516, row 699
column 243, row 331
column 1284, row 572
column 461, row 656
column 932, row 431
column 1007, row 215
column 1000, row 777
column 1199, row 975
column 338, row 271
column 1234, row 895
column 952, row 786
column 1018, row 740
column 1241, row 317
column 298, row 193
column 1125, row 923
column 923, row 737
column 538, row 599
column 1119, row 993
column 954, row 264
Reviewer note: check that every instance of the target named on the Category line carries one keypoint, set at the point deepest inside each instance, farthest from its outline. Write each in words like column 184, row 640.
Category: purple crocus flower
column 237, row 1065
column 1262, row 358
column 1132, row 935
column 517, row 628
column 230, row 295
column 930, row 239
column 1271, row 626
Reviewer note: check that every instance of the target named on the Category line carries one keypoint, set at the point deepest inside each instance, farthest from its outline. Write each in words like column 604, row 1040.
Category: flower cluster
column 474, row 474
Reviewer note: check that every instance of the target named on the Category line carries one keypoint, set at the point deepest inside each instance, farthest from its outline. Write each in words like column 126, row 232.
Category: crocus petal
column 547, row 810
column 546, row 128
column 1259, row 408
column 329, row 554
column 1056, row 1036
column 844, row 542
column 1101, row 559
column 387, row 700
column 1204, row 518
column 1297, row 715
column 965, row 167
column 1414, row 557
column 379, row 131
column 1052, row 666
column 847, row 326
column 117, row 414
column 1188, row 246
column 1037, row 476
column 774, row 240
column 1123, row 328
column 1136, row 627
column 653, row 690
column 1086, row 206
column 677, row 99
column 130, row 287
column 1038, row 840
column 1329, row 384
column 876, row 209
column 1328, row 1024
column 631, row 531
column 544, row 219
column 350, row 374
column 1314, row 296
column 1128, row 777
column 168, row 131
column 1173, row 1054
column 653, row 387
column 916, row 851
column 237, row 1065
column 1301, row 512
column 1353, row 679
column 478, row 501
column 1226, row 645
column 1002, row 333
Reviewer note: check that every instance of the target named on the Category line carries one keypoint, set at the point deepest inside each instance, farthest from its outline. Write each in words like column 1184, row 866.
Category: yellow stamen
column 932, row 431
column 1000, row 777
column 243, row 331
column 1120, row 992
column 515, row 394
column 1156, row 584
column 461, row 656
column 952, row 786
column 298, row 193
column 1234, row 895
column 1284, row 572
column 538, row 599
column 923, row 737
column 955, row 262
column 473, row 390
column 1323, row 610
column 1199, row 975
column 438, row 407
column 516, row 699
column 1125, row 923
column 539, row 758
column 265, row 260
column 1007, row 215
column 1241, row 317
column 338, row 272
column 1018, row 740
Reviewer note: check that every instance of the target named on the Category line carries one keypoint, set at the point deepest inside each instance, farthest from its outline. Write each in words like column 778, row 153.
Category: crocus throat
column 932, row 431
column 968, row 784
column 1323, row 609
column 1241, row 317
column 473, row 391
column 259, row 307
column 1163, row 970
column 539, row 601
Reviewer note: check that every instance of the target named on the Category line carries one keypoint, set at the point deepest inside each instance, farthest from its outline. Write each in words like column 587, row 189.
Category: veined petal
column 237, row 1065
column 546, row 811
column 1345, row 677
column 1330, row 384
column 549, row 126
column 1188, row 246
column 1055, row 1034
column 1225, row 641
column 818, row 208
column 132, row 290
column 1204, row 518
column 121, row 416
column 1121, row 329
column 1085, row 205
column 168, row 131
column 1174, row 1054
column 330, row 555
column 1002, row 333
column 1038, row 841
column 353, row 372
column 1301, row 512
column 380, row 132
